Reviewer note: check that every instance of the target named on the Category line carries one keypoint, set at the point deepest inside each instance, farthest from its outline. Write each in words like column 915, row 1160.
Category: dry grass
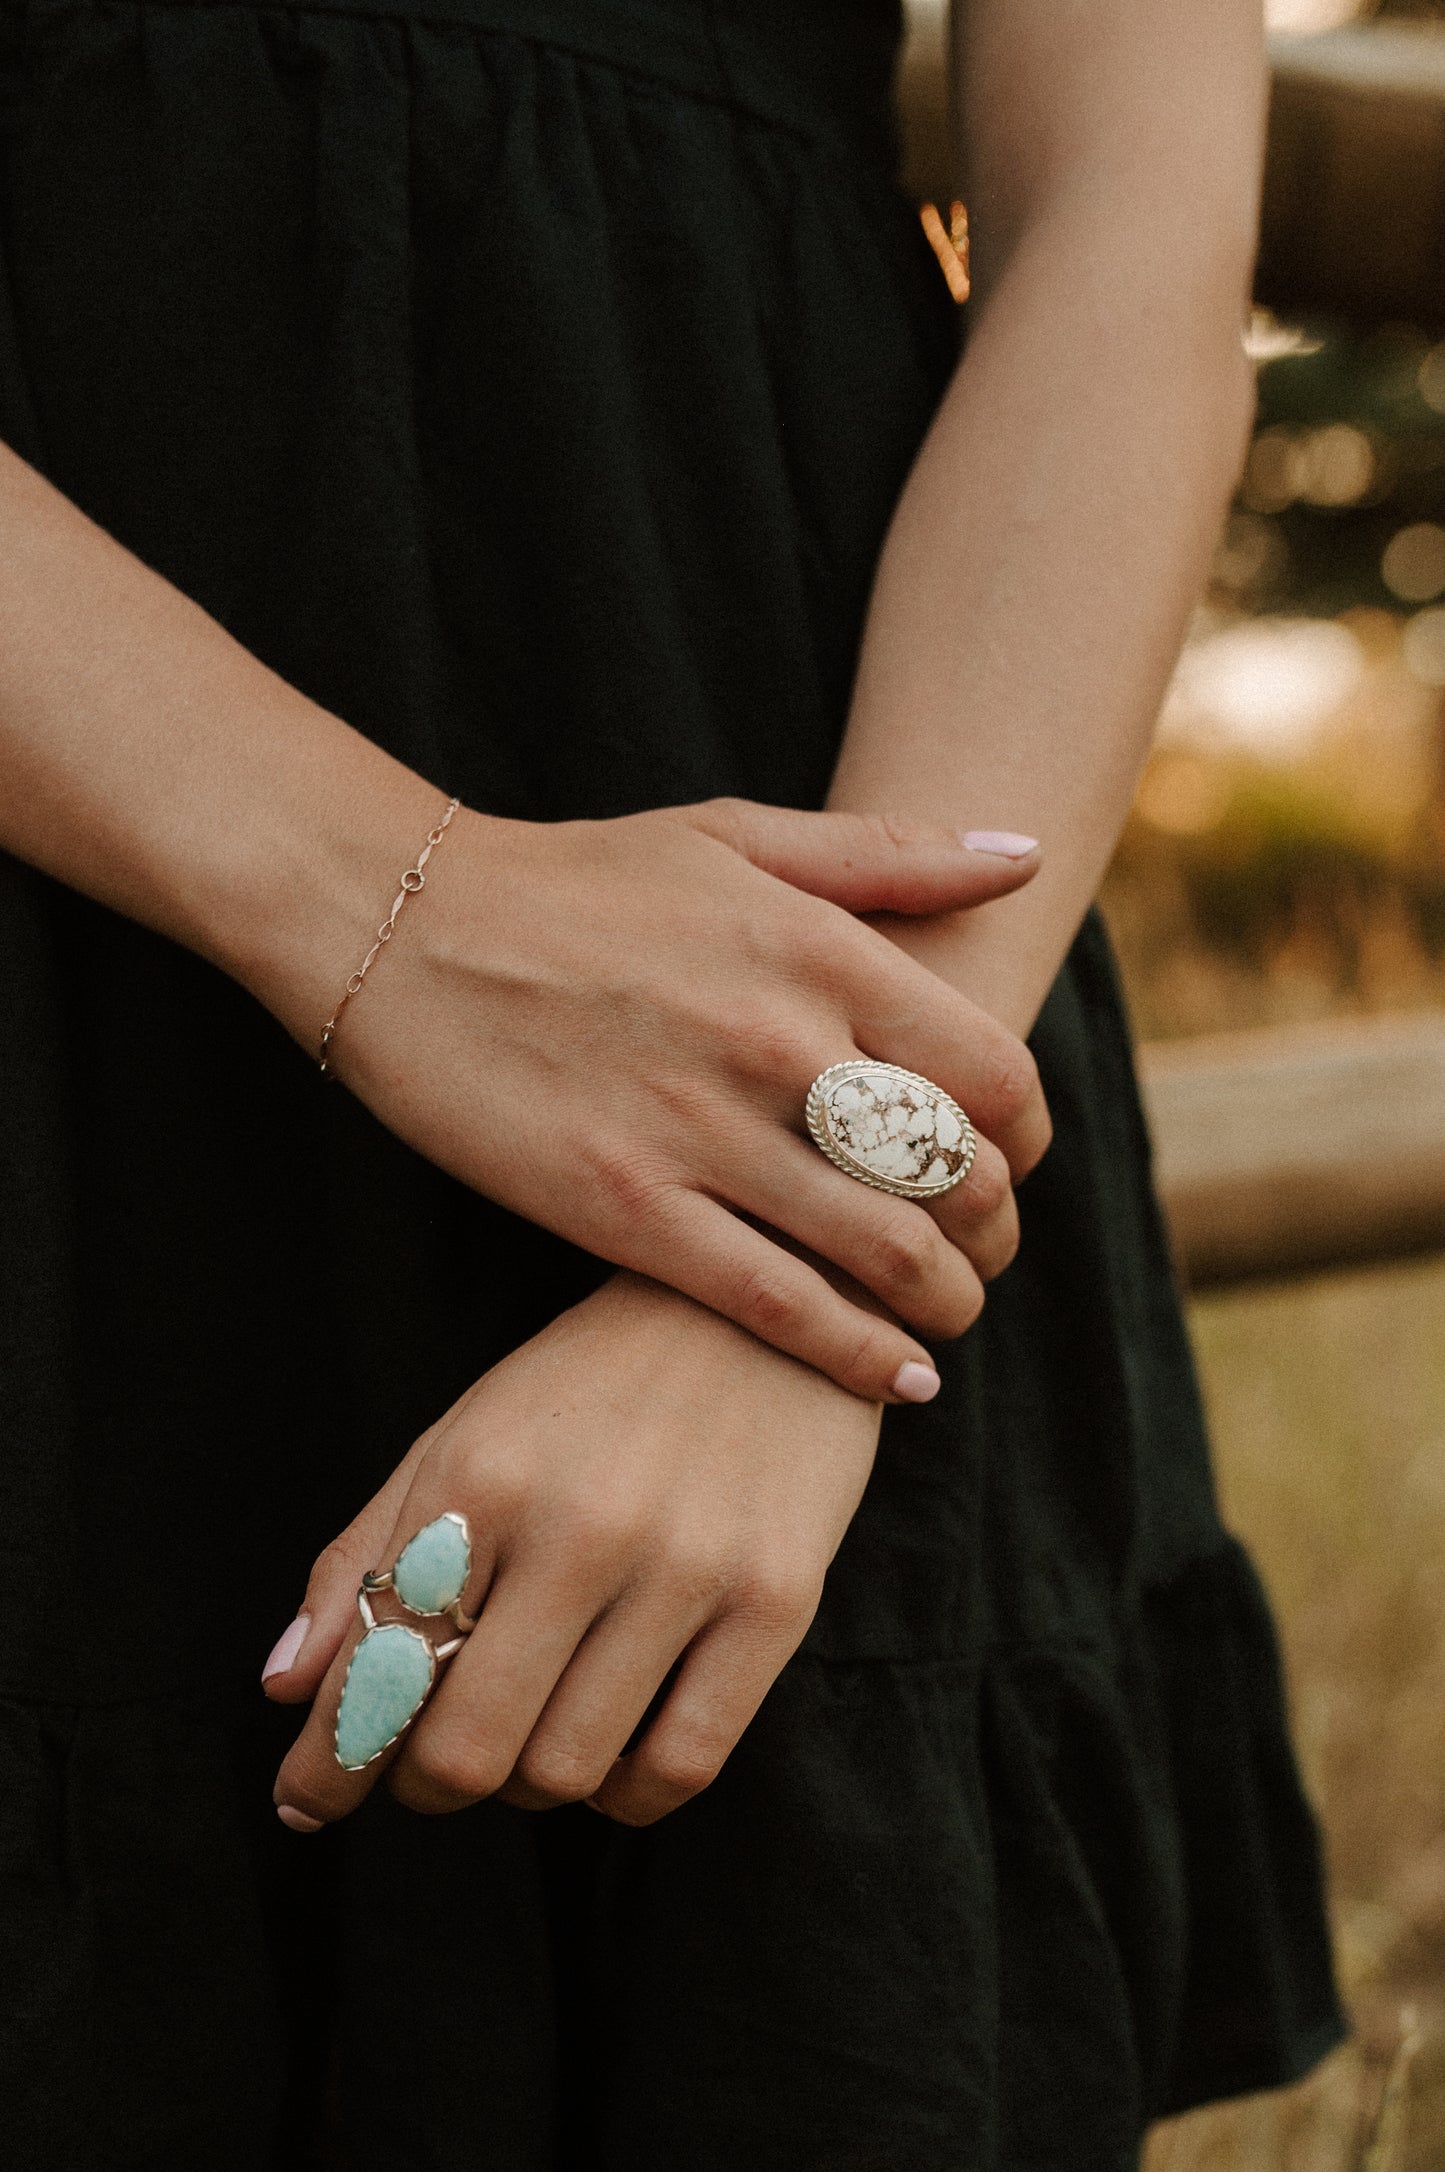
column 1328, row 1402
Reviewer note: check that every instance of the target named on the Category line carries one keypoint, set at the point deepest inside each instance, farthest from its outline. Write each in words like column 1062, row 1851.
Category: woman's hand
column 611, row 1028
column 643, row 1482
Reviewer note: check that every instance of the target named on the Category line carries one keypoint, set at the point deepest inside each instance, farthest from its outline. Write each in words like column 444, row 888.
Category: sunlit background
column 1278, row 901
column 1286, row 857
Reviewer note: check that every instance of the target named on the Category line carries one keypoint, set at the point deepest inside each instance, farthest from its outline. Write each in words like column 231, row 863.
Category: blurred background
column 1278, row 901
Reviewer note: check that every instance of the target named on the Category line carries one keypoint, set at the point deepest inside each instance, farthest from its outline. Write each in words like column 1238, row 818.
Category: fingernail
column 297, row 1819
column 915, row 1383
column 286, row 1647
column 1005, row 844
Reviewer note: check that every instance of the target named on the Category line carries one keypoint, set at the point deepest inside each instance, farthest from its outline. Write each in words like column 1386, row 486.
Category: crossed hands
column 611, row 1027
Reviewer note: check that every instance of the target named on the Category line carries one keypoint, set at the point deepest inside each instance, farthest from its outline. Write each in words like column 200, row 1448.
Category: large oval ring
column 890, row 1128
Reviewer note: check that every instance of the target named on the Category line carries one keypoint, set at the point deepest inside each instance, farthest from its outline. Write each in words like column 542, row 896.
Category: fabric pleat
column 531, row 383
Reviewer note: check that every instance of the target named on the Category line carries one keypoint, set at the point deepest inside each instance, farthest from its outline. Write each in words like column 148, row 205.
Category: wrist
column 302, row 880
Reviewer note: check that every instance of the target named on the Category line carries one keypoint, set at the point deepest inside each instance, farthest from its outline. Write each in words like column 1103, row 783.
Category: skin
column 625, row 1510
column 661, row 989
column 1028, row 607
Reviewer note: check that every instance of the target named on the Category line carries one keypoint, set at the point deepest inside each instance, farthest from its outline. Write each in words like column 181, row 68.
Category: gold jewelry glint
column 414, row 879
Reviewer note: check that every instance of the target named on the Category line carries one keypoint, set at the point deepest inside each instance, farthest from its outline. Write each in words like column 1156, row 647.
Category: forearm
column 1037, row 579
column 596, row 1024
column 150, row 761
column 1058, row 525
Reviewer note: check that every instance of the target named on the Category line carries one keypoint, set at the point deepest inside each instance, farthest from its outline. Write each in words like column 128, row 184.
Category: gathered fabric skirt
column 530, row 382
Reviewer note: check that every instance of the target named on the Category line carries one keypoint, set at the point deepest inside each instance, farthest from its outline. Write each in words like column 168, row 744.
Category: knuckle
column 772, row 1045
column 338, row 1563
column 970, row 1305
column 448, row 1767
column 1040, row 1145
column 779, row 1595
column 1002, row 1252
column 961, row 1311
column 628, row 1188
column 727, row 813
column 682, row 1767
column 563, row 1772
column 905, row 1249
column 592, row 1532
column 869, row 1362
column 1011, row 1083
column 493, row 1492
column 303, row 1794
column 906, row 836
column 769, row 1304
column 691, row 1570
column 688, row 1099
column 989, row 1191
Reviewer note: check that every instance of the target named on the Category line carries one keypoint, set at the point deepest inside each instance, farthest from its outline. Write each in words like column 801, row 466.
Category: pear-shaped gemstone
column 433, row 1566
column 390, row 1673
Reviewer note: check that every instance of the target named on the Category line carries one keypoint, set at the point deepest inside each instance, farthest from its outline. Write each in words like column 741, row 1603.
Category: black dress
column 530, row 381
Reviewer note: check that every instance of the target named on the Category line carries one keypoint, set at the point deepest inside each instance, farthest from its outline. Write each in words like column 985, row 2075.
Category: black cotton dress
column 530, row 381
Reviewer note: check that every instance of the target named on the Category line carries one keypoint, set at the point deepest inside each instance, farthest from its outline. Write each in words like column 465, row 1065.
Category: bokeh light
column 1431, row 379
column 1303, row 18
column 1413, row 567
column 1265, row 684
column 1424, row 647
column 1335, row 465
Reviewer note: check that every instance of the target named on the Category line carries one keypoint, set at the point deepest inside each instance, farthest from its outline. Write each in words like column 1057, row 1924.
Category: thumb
column 303, row 1652
column 869, row 862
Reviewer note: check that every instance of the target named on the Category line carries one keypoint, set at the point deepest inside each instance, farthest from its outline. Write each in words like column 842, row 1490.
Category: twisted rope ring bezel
column 897, row 1187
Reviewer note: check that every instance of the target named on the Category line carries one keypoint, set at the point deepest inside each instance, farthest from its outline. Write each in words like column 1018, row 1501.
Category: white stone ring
column 890, row 1128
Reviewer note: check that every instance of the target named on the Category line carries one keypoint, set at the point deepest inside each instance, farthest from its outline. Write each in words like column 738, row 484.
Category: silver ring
column 890, row 1128
column 393, row 1669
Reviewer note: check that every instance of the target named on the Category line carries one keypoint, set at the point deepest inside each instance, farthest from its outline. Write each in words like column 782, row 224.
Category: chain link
column 413, row 880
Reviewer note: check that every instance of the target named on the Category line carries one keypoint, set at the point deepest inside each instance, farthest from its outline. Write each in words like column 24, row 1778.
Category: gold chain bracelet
column 413, row 879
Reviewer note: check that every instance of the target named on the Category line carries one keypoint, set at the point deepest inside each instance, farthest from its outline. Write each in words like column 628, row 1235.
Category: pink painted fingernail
column 297, row 1819
column 915, row 1383
column 1004, row 844
column 287, row 1646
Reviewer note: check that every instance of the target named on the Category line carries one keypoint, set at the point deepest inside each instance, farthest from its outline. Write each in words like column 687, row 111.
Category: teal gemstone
column 433, row 1566
column 390, row 1673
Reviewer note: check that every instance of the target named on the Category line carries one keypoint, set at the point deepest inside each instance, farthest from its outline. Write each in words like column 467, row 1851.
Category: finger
column 709, row 1254
column 981, row 1215
column 312, row 1789
column 297, row 1664
column 871, row 863
column 891, row 1246
column 311, row 1783
column 901, row 1013
column 471, row 1734
column 597, row 1705
column 727, row 1673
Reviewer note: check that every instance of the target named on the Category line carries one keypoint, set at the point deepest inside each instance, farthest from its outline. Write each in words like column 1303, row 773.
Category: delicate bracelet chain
column 413, row 879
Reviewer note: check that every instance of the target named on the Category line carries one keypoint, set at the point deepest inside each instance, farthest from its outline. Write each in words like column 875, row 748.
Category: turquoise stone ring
column 394, row 1668
column 387, row 1683
column 432, row 1569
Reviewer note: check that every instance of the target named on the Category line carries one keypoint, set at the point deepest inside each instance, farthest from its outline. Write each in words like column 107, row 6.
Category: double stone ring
column 890, row 1128
column 393, row 1669
column 886, row 1127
